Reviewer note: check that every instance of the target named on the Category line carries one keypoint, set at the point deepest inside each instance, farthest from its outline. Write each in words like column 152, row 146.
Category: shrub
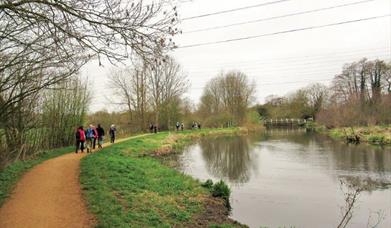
column 207, row 184
column 221, row 189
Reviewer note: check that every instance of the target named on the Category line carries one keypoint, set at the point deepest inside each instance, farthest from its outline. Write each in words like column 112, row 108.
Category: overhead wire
column 283, row 32
column 309, row 73
column 278, row 17
column 298, row 68
column 282, row 83
column 233, row 10
column 286, row 64
column 344, row 56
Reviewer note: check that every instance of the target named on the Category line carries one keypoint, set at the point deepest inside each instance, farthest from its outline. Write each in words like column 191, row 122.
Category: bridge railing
column 284, row 122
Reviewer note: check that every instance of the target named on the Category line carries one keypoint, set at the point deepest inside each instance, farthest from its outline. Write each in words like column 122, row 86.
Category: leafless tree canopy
column 363, row 80
column 46, row 41
column 151, row 87
column 230, row 93
column 110, row 28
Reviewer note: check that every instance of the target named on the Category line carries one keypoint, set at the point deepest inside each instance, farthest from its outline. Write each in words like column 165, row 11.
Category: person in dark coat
column 101, row 134
column 151, row 127
column 112, row 132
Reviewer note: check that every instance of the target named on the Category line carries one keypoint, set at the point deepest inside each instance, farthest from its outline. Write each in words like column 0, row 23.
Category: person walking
column 182, row 126
column 95, row 137
column 177, row 125
column 151, row 127
column 80, row 139
column 112, row 133
column 89, row 138
column 101, row 134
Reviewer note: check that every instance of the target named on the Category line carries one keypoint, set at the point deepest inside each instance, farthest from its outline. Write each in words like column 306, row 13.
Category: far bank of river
column 376, row 135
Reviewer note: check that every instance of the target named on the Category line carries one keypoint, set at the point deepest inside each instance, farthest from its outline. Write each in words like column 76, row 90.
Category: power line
column 308, row 74
column 266, row 72
column 282, row 83
column 236, row 9
column 278, row 17
column 330, row 54
column 287, row 64
column 284, row 32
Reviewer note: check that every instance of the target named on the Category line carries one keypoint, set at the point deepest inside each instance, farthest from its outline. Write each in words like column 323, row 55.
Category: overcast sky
column 278, row 63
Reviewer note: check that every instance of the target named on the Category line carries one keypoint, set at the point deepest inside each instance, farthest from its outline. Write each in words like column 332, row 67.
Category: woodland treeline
column 43, row 46
column 359, row 95
column 155, row 94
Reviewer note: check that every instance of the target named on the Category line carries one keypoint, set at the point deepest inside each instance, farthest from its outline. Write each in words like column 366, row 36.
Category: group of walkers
column 153, row 128
column 196, row 125
column 88, row 138
column 179, row 125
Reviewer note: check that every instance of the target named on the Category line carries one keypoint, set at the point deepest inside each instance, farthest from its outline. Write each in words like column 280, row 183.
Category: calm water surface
column 290, row 178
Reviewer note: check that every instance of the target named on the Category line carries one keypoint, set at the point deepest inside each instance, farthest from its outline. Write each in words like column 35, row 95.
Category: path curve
column 49, row 195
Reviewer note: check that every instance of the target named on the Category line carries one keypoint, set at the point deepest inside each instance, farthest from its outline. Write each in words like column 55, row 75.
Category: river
column 291, row 178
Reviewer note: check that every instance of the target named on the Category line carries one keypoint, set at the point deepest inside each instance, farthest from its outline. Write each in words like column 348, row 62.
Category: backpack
column 82, row 135
column 90, row 133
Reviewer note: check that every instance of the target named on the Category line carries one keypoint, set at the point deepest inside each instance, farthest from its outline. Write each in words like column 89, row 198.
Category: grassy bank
column 127, row 184
column 379, row 135
column 12, row 173
column 376, row 135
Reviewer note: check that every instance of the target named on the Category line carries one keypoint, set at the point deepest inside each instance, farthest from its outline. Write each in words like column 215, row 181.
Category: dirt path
column 49, row 195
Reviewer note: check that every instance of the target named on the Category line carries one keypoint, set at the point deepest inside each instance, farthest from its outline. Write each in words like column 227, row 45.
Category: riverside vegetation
column 127, row 183
column 356, row 106
column 377, row 135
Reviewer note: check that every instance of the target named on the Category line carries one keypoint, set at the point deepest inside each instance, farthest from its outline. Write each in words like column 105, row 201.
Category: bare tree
column 316, row 95
column 376, row 73
column 231, row 93
column 166, row 82
column 130, row 85
column 63, row 107
column 387, row 79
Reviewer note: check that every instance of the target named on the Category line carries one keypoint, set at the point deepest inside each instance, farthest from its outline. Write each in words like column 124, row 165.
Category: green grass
column 124, row 185
column 12, row 173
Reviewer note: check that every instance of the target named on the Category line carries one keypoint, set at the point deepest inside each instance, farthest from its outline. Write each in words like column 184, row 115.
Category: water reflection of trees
column 344, row 156
column 369, row 165
column 367, row 184
column 229, row 158
column 357, row 157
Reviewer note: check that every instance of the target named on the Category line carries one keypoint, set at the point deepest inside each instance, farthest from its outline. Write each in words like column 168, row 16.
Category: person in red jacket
column 80, row 139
